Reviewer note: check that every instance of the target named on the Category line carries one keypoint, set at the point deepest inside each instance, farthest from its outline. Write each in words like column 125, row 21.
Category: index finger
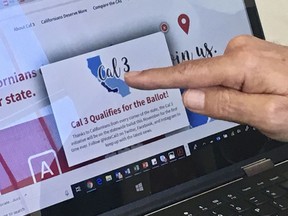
column 190, row 74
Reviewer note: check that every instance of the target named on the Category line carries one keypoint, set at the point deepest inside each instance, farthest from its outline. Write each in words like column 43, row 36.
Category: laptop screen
column 74, row 138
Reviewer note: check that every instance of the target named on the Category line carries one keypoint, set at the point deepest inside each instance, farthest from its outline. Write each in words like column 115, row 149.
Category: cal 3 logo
column 116, row 70
column 110, row 77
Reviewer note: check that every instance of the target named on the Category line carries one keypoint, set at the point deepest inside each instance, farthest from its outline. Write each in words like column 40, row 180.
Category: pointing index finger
column 191, row 74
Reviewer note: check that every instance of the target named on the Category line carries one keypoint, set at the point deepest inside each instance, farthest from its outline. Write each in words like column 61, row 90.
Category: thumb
column 268, row 113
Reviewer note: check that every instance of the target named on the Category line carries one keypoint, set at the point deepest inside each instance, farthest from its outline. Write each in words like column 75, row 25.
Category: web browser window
column 71, row 129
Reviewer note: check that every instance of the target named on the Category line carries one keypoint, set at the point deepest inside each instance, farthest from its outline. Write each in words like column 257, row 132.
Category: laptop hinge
column 258, row 167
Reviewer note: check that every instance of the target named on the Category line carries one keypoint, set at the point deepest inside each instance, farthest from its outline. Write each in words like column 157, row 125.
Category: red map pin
column 184, row 22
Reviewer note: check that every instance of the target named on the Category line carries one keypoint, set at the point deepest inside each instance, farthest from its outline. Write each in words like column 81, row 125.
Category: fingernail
column 131, row 73
column 194, row 99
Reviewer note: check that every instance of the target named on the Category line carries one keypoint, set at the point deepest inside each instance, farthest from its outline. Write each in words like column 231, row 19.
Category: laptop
column 76, row 140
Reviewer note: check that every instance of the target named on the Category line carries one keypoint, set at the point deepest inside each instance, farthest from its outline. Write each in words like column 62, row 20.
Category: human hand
column 248, row 84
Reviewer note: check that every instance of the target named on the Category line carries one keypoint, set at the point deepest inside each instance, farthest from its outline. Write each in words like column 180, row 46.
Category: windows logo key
column 139, row 187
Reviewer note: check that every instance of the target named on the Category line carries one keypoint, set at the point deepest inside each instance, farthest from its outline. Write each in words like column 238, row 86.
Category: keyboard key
column 203, row 207
column 268, row 180
column 276, row 179
column 281, row 203
column 246, row 186
column 274, row 192
column 212, row 201
column 265, row 210
column 216, row 202
column 239, row 205
column 258, row 199
column 246, row 213
column 222, row 211
column 230, row 196
column 247, row 190
column 196, row 206
column 262, row 184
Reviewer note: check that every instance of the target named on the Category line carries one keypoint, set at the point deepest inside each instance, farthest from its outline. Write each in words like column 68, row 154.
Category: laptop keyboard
column 265, row 194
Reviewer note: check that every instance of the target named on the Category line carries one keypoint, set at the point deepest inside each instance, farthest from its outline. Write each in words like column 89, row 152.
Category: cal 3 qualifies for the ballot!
column 97, row 112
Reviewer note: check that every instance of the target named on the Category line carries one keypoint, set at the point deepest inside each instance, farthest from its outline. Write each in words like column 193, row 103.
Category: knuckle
column 223, row 106
column 183, row 69
column 243, row 54
column 184, row 73
column 246, row 58
column 239, row 41
column 270, row 110
column 273, row 111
